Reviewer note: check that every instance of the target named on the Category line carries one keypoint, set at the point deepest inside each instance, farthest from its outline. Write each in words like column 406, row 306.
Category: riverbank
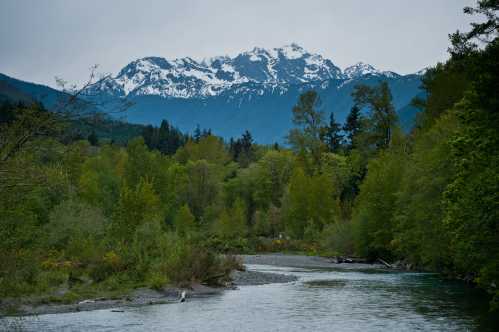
column 146, row 296
column 137, row 297
column 309, row 262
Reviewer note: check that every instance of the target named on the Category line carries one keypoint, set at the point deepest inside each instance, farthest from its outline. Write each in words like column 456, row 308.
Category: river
column 320, row 300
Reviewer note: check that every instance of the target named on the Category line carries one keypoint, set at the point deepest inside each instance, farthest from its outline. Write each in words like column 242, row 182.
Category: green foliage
column 352, row 126
column 209, row 148
column 167, row 139
column 375, row 205
column 93, row 139
column 434, row 202
column 309, row 203
column 422, row 237
column 74, row 221
column 100, row 179
column 338, row 239
column 331, row 135
column 475, row 156
column 309, row 119
column 231, row 224
column 296, row 208
column 185, row 222
column 203, row 185
column 242, row 150
column 383, row 116
column 135, row 207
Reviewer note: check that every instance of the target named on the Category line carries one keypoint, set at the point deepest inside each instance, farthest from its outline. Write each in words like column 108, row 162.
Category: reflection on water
column 321, row 300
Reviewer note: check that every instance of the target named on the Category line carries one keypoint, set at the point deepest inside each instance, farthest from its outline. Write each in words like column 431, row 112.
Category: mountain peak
column 188, row 78
column 185, row 77
column 422, row 71
column 292, row 51
column 360, row 69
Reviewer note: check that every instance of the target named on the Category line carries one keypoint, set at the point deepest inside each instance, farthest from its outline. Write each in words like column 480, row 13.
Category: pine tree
column 352, row 125
column 331, row 136
column 149, row 137
column 197, row 134
column 92, row 139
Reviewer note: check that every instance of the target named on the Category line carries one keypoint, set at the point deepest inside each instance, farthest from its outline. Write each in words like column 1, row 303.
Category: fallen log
column 385, row 263
column 340, row 259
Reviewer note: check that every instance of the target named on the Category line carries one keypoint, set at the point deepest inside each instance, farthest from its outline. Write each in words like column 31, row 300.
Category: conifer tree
column 331, row 135
column 352, row 125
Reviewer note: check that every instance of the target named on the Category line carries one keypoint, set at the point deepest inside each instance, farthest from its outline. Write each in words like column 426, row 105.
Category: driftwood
column 340, row 259
column 385, row 263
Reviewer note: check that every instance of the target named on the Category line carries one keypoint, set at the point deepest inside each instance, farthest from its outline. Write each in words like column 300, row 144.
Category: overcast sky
column 41, row 39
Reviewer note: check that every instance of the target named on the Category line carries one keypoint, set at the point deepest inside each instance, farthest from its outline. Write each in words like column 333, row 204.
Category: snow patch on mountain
column 188, row 78
column 360, row 69
column 292, row 51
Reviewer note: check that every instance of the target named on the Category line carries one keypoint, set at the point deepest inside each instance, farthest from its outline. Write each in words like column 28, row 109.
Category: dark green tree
column 331, row 135
column 197, row 134
column 93, row 139
column 242, row 149
column 352, row 125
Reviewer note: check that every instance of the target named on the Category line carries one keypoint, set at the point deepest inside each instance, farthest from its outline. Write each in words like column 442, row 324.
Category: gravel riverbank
column 138, row 297
column 308, row 262
column 145, row 296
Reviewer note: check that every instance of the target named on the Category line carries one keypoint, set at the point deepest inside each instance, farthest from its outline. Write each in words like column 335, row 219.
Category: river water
column 321, row 300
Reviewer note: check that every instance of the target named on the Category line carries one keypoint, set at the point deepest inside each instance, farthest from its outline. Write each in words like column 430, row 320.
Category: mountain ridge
column 187, row 78
column 258, row 96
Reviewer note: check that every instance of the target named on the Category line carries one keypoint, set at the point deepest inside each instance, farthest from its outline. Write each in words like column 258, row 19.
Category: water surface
column 321, row 300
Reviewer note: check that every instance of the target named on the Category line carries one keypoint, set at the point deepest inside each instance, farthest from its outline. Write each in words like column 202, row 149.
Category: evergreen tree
column 331, row 136
column 352, row 125
column 197, row 134
column 242, row 150
column 148, row 133
column 206, row 133
column 164, row 138
column 92, row 139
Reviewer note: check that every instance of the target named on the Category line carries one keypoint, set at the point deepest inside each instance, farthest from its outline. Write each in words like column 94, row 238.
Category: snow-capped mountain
column 188, row 78
column 253, row 90
column 361, row 69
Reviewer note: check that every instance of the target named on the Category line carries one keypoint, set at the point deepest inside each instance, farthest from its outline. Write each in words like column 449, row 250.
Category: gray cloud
column 47, row 38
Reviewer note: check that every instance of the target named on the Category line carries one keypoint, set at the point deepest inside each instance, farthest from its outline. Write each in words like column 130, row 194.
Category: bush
column 18, row 272
column 337, row 239
column 73, row 221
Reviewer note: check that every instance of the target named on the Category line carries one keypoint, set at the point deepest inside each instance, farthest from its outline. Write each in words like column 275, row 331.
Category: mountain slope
column 31, row 91
column 187, row 78
column 254, row 90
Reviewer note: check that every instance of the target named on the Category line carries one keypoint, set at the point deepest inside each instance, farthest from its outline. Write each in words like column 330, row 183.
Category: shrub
column 74, row 221
column 337, row 238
